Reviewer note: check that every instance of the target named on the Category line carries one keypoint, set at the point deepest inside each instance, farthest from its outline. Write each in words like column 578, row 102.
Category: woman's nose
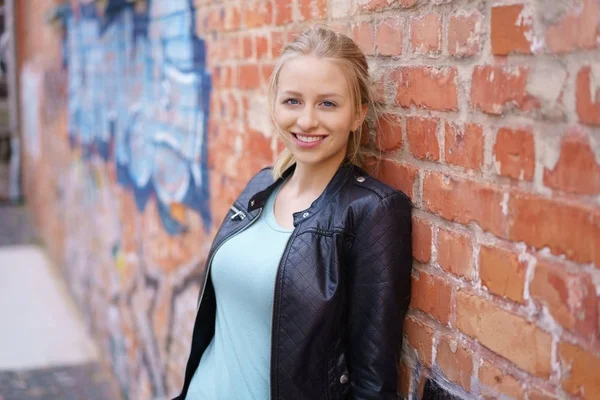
column 308, row 119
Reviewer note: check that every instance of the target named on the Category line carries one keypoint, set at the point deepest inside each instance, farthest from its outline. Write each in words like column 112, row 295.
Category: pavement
column 45, row 350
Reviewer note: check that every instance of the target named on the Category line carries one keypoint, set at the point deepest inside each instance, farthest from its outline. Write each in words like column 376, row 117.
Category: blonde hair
column 323, row 42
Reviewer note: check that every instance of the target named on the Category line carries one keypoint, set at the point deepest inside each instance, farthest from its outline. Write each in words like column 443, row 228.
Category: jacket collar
column 345, row 170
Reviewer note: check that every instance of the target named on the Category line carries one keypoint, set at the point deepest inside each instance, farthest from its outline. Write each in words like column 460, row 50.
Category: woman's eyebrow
column 298, row 94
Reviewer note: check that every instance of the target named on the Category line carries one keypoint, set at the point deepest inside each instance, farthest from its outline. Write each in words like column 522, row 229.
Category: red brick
column 496, row 89
column 432, row 295
column 401, row 176
column 514, row 153
column 465, row 201
column 573, row 230
column 312, row 9
column 222, row 77
column 578, row 29
column 506, row 334
column 464, row 145
column 502, row 273
column 420, row 337
column 278, row 41
column 248, row 47
column 202, row 22
column 249, row 77
column 581, row 375
column 588, row 97
column 570, row 297
column 426, row 34
column 464, row 34
column 283, row 12
column 378, row 86
column 215, row 102
column 511, row 30
column 234, row 48
column 455, row 253
column 576, row 170
column 379, row 5
column 234, row 75
column 265, row 74
column 390, row 36
column 501, row 382
column 232, row 107
column 455, row 361
column 362, row 33
column 262, row 46
column 232, row 17
column 422, row 138
column 258, row 13
column 216, row 19
column 389, row 132
column 214, row 53
column 257, row 150
column 426, row 87
column 421, row 240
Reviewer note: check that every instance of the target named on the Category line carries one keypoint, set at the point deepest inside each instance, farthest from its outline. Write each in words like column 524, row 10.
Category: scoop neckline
column 270, row 212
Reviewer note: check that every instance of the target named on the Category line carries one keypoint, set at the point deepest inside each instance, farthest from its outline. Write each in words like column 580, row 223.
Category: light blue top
column 236, row 363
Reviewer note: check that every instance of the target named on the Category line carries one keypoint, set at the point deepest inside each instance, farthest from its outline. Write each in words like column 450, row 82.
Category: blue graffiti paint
column 139, row 95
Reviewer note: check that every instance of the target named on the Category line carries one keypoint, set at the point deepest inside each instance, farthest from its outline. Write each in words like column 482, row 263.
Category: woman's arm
column 380, row 265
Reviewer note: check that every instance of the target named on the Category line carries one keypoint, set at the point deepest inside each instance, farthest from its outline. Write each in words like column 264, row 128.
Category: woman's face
column 313, row 108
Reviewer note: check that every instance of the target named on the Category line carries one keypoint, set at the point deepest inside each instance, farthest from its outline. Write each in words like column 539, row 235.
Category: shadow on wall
column 139, row 97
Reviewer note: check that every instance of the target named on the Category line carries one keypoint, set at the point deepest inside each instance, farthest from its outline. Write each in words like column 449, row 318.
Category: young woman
column 308, row 278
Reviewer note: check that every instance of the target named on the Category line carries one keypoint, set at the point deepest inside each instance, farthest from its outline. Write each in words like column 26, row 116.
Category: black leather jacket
column 341, row 291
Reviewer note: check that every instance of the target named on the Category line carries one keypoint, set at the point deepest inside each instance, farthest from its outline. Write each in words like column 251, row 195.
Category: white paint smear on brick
column 546, row 81
column 258, row 115
column 547, row 149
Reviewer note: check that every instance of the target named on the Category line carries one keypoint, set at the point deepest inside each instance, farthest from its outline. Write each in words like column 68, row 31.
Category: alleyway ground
column 45, row 351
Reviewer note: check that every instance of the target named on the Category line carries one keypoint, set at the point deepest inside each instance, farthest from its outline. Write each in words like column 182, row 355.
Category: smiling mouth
column 308, row 139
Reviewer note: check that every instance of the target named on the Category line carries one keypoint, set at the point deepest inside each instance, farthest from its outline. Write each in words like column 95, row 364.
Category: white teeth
column 308, row 139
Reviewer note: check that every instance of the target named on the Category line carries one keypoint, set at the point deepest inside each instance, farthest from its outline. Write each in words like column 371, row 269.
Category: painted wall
column 115, row 123
column 142, row 120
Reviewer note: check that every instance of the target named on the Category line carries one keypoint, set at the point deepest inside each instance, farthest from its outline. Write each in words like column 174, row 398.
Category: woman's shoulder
column 259, row 182
column 368, row 188
column 264, row 177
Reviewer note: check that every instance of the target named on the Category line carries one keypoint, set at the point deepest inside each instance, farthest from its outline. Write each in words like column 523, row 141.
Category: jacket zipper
column 242, row 216
column 238, row 213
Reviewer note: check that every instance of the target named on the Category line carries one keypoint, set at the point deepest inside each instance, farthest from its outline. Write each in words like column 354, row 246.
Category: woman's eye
column 292, row 102
column 328, row 104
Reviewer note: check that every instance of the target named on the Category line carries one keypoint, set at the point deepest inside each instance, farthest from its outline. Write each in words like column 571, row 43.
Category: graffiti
column 138, row 97
column 138, row 94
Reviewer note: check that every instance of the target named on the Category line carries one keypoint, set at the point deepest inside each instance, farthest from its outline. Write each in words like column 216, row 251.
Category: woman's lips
column 309, row 140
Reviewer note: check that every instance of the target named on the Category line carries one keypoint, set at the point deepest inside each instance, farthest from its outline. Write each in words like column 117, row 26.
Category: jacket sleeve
column 380, row 263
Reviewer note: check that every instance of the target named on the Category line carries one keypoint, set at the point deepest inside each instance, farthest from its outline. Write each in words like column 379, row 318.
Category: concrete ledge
column 41, row 326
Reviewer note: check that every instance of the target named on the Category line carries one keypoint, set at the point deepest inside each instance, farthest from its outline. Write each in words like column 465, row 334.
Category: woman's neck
column 311, row 179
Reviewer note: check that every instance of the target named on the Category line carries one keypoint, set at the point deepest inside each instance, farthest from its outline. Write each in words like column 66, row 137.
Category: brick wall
column 496, row 140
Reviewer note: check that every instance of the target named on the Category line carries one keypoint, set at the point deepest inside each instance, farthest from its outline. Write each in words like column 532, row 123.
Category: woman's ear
column 360, row 116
